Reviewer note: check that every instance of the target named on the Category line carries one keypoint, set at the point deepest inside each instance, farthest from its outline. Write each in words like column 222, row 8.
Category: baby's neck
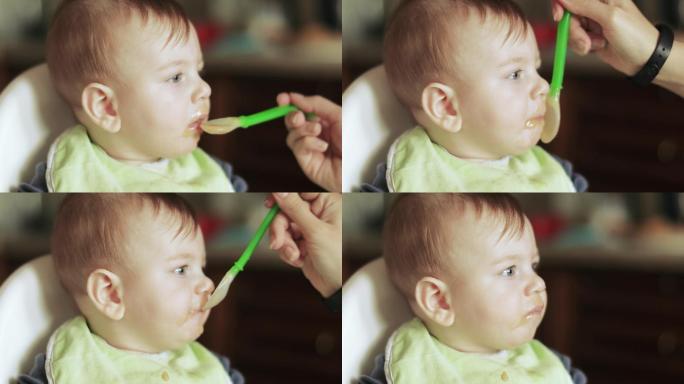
column 457, row 147
column 118, row 336
column 457, row 341
column 454, row 143
column 120, row 153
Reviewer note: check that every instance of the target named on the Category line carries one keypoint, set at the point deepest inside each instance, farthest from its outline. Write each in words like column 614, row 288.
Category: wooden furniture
column 275, row 329
column 260, row 154
column 619, row 325
column 620, row 136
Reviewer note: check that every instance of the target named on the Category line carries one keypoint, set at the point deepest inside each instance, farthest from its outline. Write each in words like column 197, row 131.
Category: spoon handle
column 258, row 235
column 267, row 115
column 560, row 54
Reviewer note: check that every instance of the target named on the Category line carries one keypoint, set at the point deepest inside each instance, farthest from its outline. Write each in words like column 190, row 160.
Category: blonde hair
column 90, row 231
column 79, row 42
column 416, row 233
column 420, row 41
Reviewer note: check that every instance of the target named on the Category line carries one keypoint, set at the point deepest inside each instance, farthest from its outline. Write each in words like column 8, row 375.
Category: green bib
column 75, row 355
column 416, row 164
column 76, row 164
column 414, row 356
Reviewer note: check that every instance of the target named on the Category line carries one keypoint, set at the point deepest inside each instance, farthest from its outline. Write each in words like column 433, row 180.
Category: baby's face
column 166, row 288
column 162, row 98
column 502, row 97
column 499, row 299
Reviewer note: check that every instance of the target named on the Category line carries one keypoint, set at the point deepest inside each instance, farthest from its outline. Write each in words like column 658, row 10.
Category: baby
column 133, row 264
column 467, row 71
column 130, row 71
column 466, row 264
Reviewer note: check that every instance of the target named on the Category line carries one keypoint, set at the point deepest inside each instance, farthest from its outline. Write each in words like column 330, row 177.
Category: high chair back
column 372, row 119
column 372, row 308
column 32, row 115
column 32, row 305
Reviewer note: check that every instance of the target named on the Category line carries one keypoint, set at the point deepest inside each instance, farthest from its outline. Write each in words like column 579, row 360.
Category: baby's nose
column 542, row 88
column 201, row 92
column 537, row 285
column 205, row 286
column 205, row 90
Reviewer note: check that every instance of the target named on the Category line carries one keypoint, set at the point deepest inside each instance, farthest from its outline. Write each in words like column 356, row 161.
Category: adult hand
column 316, row 144
column 621, row 36
column 307, row 234
column 615, row 30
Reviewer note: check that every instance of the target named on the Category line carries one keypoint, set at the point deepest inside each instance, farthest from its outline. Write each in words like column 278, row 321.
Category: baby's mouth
column 535, row 122
column 195, row 127
column 537, row 311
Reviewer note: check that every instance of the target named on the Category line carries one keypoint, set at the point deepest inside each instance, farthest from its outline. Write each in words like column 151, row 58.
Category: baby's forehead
column 468, row 224
column 490, row 31
column 152, row 31
column 161, row 233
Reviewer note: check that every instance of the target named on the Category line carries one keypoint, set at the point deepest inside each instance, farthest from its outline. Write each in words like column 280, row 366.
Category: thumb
column 595, row 10
column 298, row 211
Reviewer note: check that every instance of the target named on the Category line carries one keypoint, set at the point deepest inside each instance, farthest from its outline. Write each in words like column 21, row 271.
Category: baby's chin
column 527, row 140
column 185, row 150
column 515, row 341
column 194, row 325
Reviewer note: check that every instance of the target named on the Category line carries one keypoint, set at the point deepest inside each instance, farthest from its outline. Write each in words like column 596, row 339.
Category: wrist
column 659, row 57
column 671, row 72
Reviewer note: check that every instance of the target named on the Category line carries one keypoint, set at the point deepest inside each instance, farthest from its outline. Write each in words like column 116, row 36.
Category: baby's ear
column 434, row 301
column 100, row 104
column 440, row 104
column 105, row 290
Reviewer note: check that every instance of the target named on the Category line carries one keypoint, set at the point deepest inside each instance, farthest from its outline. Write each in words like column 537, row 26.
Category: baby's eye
column 516, row 75
column 180, row 270
column 176, row 78
column 508, row 272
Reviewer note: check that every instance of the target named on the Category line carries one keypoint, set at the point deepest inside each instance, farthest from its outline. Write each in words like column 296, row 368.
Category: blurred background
column 273, row 325
column 614, row 271
column 253, row 50
column 621, row 137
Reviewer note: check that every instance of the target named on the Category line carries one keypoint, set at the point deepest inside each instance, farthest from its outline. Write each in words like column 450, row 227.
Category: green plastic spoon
column 229, row 124
column 222, row 289
column 553, row 113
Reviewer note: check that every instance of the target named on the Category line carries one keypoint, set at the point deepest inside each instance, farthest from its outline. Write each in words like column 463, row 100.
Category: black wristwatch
column 653, row 66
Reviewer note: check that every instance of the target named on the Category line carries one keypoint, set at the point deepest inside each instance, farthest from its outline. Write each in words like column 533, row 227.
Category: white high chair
column 32, row 305
column 32, row 114
column 372, row 308
column 372, row 119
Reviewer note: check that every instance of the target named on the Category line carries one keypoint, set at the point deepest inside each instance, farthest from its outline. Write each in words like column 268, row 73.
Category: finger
column 292, row 138
column 595, row 10
column 309, row 144
column 557, row 11
column 283, row 98
column 295, row 120
column 296, row 233
column 597, row 42
column 269, row 201
column 279, row 231
column 321, row 106
column 298, row 211
column 579, row 40
column 309, row 128
column 310, row 196
column 291, row 255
